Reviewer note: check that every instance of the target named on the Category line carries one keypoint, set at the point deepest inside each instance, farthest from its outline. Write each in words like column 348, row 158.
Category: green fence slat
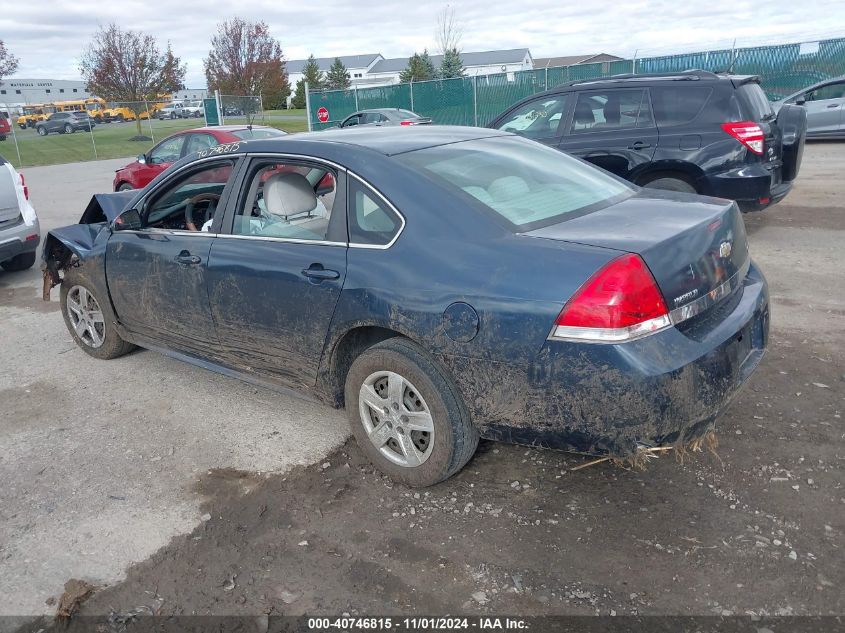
column 783, row 68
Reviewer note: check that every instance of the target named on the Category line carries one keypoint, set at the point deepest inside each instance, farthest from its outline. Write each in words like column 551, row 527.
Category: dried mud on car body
column 517, row 532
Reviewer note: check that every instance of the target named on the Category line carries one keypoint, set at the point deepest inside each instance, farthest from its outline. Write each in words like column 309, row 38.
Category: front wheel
column 42, row 131
column 69, row 129
column 406, row 414
column 125, row 186
column 86, row 321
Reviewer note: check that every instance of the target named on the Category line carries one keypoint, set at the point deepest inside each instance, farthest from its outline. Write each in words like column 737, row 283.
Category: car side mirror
column 801, row 100
column 129, row 220
column 142, row 159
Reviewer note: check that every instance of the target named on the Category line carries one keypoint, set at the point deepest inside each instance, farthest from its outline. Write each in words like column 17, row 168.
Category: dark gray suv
column 693, row 131
column 65, row 123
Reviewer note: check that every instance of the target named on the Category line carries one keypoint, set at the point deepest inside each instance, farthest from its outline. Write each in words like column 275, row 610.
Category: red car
column 5, row 126
column 140, row 172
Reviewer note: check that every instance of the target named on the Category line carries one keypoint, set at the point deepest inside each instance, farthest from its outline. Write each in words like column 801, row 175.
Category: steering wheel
column 189, row 209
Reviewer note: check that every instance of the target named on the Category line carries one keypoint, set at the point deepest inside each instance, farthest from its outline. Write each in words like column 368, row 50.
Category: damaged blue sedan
column 440, row 283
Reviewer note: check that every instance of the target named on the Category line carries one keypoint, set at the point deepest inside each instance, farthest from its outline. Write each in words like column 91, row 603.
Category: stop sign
column 322, row 115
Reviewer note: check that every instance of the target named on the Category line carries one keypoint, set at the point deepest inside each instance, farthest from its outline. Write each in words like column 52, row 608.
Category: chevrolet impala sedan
column 440, row 283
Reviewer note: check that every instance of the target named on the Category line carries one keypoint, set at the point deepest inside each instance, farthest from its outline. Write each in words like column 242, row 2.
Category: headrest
column 289, row 193
column 507, row 188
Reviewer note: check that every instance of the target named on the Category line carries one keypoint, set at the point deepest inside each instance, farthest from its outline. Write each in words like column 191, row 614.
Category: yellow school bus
column 121, row 113
column 33, row 113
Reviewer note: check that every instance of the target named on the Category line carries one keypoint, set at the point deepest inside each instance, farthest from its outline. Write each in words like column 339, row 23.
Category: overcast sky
column 48, row 38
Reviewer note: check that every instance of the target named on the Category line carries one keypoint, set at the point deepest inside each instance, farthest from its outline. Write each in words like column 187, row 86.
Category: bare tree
column 128, row 66
column 449, row 30
column 8, row 62
column 246, row 60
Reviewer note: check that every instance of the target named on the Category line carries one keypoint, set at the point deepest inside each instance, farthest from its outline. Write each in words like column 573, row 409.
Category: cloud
column 49, row 38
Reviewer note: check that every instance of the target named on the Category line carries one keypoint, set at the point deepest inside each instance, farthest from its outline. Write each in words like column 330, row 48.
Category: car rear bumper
column 13, row 240
column 752, row 186
column 664, row 389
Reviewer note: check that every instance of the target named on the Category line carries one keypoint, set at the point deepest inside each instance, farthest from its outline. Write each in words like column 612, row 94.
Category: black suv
column 65, row 123
column 693, row 131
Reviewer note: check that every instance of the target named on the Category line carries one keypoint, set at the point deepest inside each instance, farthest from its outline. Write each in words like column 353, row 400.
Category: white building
column 358, row 67
column 509, row 61
column 15, row 91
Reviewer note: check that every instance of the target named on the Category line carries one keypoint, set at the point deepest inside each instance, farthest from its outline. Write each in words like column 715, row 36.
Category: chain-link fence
column 91, row 129
column 784, row 69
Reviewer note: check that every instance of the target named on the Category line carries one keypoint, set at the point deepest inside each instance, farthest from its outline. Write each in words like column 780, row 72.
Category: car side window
column 168, row 151
column 537, row 119
column 371, row 220
column 198, row 142
column 353, row 120
column 190, row 201
column 287, row 200
column 611, row 109
column 830, row 91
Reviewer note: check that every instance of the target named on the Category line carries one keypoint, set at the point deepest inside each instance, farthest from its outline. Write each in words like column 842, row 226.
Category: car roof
column 227, row 128
column 818, row 84
column 388, row 140
column 641, row 78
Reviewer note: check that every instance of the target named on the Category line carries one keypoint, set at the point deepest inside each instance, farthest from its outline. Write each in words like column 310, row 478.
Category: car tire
column 69, row 129
column 19, row 262
column 42, row 131
column 670, row 184
column 22, row 126
column 119, row 118
column 106, row 343
column 422, row 388
column 125, row 186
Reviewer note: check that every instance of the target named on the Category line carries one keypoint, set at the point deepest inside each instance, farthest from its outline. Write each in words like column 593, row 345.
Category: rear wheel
column 125, row 186
column 86, row 321
column 406, row 414
column 68, row 129
column 19, row 262
column 670, row 183
column 120, row 118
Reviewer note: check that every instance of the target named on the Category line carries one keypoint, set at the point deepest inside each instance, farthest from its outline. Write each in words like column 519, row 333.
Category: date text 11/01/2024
column 416, row 624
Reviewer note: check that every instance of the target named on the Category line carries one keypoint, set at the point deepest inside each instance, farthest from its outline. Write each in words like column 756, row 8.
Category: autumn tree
column 419, row 68
column 337, row 78
column 128, row 66
column 313, row 76
column 8, row 62
column 246, row 60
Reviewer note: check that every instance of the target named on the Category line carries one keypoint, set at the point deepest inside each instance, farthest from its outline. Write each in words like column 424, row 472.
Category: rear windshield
column 248, row 134
column 408, row 114
column 678, row 104
column 526, row 183
column 756, row 101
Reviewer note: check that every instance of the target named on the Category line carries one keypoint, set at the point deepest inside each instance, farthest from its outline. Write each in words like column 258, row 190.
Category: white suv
column 19, row 230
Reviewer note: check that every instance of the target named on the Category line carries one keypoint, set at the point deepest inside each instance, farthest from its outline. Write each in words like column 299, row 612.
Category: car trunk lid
column 693, row 246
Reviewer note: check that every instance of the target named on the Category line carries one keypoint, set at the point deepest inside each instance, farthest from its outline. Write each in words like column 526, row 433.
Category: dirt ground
column 757, row 529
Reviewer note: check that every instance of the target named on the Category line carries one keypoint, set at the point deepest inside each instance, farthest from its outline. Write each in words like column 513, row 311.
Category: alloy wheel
column 396, row 418
column 86, row 316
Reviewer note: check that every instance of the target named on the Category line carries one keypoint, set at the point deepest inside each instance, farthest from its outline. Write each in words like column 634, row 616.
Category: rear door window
column 599, row 110
column 678, row 104
column 825, row 93
column 372, row 221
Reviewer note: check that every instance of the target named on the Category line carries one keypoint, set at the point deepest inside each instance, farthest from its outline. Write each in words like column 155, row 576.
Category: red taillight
column 407, row 122
column 748, row 133
column 618, row 303
column 25, row 188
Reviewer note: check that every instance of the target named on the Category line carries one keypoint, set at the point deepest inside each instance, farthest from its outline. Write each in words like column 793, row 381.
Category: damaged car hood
column 105, row 207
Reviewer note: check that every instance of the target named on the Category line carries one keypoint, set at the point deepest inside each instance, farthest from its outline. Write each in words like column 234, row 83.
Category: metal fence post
column 150, row 119
column 355, row 89
column 308, row 105
column 14, row 136
column 475, row 100
column 546, row 85
column 412, row 95
column 219, row 108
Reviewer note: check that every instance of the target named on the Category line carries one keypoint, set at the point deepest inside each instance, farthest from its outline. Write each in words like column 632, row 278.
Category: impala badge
column 725, row 249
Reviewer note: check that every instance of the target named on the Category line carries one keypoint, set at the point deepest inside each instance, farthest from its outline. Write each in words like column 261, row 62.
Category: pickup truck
column 170, row 111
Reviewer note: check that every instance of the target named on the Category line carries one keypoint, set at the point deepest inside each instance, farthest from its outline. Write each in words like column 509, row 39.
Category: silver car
column 384, row 116
column 19, row 230
column 825, row 106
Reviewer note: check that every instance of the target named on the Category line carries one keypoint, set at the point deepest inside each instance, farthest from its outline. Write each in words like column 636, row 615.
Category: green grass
column 291, row 112
column 112, row 141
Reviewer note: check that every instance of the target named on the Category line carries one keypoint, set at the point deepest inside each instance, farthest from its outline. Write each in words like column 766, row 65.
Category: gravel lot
column 105, row 463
